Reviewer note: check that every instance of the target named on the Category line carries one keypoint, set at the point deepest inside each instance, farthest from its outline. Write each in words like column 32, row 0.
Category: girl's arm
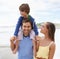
column 52, row 51
column 37, row 46
column 38, row 39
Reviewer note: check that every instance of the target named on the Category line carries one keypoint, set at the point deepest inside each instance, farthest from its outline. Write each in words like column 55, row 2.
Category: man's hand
column 12, row 45
column 12, row 39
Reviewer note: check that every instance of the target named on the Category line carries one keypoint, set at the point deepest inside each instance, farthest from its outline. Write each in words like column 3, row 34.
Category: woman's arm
column 52, row 51
column 38, row 39
column 37, row 46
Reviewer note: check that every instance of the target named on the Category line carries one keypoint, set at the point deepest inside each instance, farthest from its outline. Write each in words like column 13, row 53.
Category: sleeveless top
column 25, row 50
column 43, row 51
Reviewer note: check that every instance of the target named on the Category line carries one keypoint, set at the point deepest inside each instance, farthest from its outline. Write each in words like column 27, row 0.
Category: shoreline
column 56, row 24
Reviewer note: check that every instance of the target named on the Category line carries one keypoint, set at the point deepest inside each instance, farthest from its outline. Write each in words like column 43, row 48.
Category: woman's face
column 26, row 27
column 43, row 28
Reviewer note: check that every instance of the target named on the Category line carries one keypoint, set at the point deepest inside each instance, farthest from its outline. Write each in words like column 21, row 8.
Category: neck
column 25, row 34
column 47, row 37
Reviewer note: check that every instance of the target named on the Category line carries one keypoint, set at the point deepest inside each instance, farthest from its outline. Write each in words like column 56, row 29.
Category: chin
column 41, row 31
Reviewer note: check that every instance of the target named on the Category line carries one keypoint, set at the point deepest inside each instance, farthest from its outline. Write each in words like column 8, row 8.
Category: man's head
column 26, row 26
column 24, row 9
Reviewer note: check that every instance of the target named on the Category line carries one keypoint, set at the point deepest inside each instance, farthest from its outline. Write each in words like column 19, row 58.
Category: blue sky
column 41, row 10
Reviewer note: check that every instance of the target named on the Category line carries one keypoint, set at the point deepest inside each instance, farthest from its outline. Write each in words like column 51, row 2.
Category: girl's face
column 43, row 28
column 26, row 27
column 23, row 14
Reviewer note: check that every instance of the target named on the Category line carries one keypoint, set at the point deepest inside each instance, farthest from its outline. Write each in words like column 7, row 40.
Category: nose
column 26, row 28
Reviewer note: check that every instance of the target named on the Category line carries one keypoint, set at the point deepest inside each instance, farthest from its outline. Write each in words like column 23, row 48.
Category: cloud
column 54, row 1
column 40, row 9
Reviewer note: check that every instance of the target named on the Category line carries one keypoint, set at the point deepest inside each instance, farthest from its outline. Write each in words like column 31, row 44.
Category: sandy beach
column 6, row 53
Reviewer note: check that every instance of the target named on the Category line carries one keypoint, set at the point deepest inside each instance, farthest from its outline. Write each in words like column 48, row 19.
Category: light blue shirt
column 25, row 50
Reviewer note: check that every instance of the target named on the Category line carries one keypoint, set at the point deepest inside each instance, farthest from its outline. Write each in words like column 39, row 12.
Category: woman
column 46, row 44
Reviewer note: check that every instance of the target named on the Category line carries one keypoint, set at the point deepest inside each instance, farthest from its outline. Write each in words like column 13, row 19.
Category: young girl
column 46, row 45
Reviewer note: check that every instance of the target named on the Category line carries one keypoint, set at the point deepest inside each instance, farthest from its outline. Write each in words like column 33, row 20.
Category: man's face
column 26, row 27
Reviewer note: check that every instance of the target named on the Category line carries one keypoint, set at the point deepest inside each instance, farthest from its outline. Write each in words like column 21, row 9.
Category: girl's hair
column 24, row 8
column 51, row 30
column 25, row 20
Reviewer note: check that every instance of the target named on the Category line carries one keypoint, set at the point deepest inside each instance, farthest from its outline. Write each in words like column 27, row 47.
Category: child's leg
column 20, row 35
column 32, row 34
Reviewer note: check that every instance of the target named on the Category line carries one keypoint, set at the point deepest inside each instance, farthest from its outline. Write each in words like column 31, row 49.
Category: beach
column 6, row 53
column 41, row 11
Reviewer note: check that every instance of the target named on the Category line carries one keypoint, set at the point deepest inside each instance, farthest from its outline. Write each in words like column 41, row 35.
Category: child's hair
column 25, row 20
column 51, row 30
column 24, row 8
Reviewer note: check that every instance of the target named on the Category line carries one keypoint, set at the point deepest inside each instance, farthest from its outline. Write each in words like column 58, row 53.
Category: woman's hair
column 25, row 20
column 24, row 8
column 51, row 30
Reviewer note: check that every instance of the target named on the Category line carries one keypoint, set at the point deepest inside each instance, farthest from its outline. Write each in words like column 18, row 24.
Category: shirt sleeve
column 19, row 23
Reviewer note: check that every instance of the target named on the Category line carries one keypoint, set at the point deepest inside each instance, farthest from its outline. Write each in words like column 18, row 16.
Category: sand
column 6, row 53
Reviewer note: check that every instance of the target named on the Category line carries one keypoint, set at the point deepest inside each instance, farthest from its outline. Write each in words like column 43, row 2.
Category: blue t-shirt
column 25, row 50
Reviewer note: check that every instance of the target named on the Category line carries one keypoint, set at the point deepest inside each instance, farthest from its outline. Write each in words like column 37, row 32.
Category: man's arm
column 16, row 47
column 12, row 45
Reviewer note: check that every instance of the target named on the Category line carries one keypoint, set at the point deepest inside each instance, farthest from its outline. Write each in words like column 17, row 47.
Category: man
column 25, row 46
